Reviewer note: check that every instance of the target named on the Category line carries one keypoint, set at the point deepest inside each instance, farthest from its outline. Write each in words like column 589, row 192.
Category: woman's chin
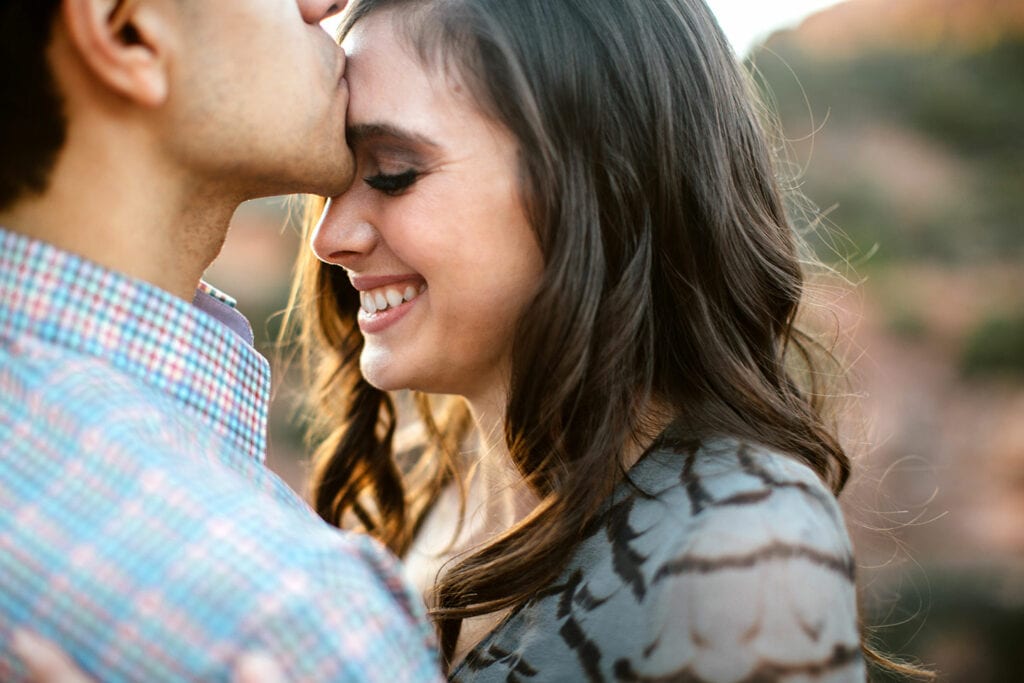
column 382, row 371
column 382, row 382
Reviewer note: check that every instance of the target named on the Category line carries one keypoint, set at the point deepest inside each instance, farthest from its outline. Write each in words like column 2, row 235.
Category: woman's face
column 433, row 233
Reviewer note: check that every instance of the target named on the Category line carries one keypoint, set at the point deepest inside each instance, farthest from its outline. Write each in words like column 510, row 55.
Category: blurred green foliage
column 968, row 104
column 917, row 157
column 995, row 348
column 969, row 623
column 907, row 324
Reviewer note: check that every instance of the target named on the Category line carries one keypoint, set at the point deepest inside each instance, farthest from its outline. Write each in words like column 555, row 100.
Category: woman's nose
column 342, row 239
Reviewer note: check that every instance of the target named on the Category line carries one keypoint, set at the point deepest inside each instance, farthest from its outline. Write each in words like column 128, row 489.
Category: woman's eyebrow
column 361, row 132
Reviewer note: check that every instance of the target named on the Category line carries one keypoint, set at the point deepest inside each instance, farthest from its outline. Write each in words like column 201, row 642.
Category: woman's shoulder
column 749, row 568
column 722, row 562
column 730, row 497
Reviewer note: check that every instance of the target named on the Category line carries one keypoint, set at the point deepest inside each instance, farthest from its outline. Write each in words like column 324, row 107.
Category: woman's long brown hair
column 672, row 276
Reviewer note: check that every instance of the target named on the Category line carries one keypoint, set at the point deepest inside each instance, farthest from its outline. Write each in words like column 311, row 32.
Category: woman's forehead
column 390, row 84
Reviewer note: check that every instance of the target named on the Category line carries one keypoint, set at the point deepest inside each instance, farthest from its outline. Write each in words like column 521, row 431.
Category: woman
column 569, row 221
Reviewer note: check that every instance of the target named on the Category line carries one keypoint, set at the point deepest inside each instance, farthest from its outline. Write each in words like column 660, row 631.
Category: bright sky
column 748, row 21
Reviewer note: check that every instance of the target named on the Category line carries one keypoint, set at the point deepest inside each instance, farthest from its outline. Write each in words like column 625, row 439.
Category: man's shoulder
column 92, row 449
column 41, row 380
column 194, row 586
column 121, row 519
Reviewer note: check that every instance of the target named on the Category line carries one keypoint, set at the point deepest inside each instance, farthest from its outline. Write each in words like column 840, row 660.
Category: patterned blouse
column 727, row 563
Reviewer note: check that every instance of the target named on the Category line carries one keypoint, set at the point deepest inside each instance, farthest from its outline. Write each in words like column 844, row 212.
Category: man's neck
column 113, row 204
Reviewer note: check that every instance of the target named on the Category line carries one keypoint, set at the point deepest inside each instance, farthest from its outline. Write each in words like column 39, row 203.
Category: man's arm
column 47, row 664
column 358, row 621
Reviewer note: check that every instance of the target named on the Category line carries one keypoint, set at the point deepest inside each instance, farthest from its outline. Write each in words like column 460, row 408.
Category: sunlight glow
column 748, row 23
column 745, row 22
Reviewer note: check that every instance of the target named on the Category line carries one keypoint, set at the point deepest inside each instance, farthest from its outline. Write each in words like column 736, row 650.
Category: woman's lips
column 374, row 320
column 385, row 299
column 389, row 296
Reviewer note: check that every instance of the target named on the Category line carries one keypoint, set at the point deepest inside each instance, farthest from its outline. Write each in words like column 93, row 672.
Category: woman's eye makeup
column 392, row 184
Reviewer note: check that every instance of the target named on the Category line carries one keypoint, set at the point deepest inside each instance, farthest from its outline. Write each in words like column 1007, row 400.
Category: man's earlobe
column 125, row 44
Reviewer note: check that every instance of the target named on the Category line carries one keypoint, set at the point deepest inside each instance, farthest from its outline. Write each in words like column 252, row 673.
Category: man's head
column 243, row 97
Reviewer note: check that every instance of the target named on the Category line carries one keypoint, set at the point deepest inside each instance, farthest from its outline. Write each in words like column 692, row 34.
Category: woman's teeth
column 378, row 300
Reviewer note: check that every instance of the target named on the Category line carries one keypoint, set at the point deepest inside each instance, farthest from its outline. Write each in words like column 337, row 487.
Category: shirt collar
column 214, row 302
column 198, row 354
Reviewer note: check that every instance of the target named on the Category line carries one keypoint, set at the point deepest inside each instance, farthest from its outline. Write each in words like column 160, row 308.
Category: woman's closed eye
column 392, row 184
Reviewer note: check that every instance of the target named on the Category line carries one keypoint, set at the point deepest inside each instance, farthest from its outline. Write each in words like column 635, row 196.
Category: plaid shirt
column 139, row 527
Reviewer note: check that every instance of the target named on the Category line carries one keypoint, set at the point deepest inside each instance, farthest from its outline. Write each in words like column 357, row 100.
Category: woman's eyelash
column 392, row 184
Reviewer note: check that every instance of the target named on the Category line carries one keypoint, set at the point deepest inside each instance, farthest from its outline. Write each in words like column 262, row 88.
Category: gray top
column 730, row 563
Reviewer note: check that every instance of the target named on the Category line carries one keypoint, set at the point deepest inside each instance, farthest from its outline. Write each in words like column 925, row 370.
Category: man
column 139, row 528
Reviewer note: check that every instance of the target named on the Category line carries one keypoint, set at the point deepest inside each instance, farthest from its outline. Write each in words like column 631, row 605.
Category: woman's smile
column 382, row 306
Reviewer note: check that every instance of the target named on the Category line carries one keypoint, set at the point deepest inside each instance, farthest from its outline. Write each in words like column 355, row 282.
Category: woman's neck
column 496, row 492
column 495, row 481
column 495, row 500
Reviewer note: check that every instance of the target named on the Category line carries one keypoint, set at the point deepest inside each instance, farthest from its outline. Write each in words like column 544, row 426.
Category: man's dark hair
column 32, row 126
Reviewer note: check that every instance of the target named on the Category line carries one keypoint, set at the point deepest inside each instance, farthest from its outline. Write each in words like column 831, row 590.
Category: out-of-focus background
column 903, row 122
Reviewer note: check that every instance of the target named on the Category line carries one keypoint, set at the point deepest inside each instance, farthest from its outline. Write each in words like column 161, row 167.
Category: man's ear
column 125, row 43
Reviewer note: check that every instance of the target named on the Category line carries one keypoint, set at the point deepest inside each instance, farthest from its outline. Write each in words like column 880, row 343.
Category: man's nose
column 315, row 11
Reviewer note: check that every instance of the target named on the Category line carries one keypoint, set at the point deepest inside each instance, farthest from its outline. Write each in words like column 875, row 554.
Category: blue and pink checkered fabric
column 139, row 528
